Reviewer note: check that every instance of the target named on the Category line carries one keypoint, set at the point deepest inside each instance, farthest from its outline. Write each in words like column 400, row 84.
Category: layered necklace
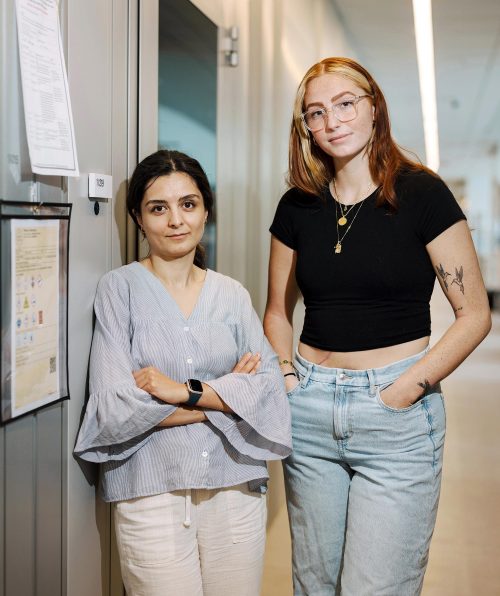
column 342, row 211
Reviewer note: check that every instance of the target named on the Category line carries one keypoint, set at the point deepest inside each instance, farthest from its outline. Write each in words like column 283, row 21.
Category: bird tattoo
column 459, row 276
column 443, row 274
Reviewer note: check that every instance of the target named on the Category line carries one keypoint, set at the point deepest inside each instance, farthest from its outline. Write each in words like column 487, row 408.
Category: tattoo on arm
column 457, row 309
column 459, row 279
column 443, row 274
column 425, row 387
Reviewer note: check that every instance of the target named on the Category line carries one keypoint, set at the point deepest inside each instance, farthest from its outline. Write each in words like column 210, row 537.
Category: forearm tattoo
column 458, row 279
column 425, row 387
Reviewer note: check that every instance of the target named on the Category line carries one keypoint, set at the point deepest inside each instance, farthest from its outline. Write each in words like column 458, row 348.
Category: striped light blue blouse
column 139, row 324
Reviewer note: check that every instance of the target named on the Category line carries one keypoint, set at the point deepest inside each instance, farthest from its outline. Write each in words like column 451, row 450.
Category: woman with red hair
column 362, row 233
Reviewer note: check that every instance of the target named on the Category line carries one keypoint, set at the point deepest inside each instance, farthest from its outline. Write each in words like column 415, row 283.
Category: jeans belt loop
column 305, row 378
column 371, row 377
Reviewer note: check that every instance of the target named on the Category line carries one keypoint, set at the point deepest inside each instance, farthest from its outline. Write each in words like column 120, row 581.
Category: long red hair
column 310, row 169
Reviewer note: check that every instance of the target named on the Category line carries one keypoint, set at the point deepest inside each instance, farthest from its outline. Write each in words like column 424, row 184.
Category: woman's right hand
column 249, row 364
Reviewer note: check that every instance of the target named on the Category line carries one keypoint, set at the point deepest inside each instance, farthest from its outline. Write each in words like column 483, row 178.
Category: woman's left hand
column 150, row 379
column 398, row 399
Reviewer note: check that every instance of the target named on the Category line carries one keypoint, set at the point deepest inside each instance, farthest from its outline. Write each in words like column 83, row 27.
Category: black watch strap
column 195, row 390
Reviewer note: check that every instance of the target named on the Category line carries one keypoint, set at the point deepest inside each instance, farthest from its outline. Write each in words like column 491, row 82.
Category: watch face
column 195, row 386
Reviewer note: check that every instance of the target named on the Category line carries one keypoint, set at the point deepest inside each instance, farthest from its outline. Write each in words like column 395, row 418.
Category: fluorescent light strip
column 422, row 17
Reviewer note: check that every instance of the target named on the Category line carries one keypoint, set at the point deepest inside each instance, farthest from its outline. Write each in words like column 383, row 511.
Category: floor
column 465, row 551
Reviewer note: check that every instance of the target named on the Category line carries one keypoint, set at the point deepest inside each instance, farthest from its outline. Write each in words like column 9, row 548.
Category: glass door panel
column 187, row 91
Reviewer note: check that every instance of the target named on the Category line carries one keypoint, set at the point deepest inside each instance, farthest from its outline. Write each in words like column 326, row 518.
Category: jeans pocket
column 293, row 391
column 385, row 406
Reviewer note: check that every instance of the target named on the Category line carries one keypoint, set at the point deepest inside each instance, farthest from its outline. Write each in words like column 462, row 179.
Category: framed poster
column 34, row 305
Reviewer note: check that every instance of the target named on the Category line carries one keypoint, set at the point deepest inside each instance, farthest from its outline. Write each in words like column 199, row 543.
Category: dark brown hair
column 163, row 163
column 310, row 169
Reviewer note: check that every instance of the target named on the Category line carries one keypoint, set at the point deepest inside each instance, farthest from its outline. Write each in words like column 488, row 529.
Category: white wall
column 55, row 537
column 97, row 63
column 281, row 40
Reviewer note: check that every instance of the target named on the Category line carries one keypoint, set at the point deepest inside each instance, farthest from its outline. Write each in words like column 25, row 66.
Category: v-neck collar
column 158, row 282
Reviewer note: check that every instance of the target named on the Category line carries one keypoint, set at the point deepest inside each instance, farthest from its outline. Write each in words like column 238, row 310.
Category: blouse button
column 189, row 361
column 186, row 328
column 204, row 454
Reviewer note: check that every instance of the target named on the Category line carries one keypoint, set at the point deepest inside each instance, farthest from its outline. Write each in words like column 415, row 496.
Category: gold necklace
column 338, row 246
column 342, row 220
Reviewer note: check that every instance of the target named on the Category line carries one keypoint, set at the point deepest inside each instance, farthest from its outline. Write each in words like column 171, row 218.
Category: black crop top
column 376, row 292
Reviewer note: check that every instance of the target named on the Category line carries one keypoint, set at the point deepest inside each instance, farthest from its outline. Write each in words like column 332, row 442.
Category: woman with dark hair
column 362, row 233
column 186, row 404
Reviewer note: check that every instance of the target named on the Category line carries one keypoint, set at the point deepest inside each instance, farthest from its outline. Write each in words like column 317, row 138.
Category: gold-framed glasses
column 315, row 117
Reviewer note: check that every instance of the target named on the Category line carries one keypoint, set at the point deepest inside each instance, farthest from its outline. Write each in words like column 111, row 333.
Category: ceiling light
column 422, row 17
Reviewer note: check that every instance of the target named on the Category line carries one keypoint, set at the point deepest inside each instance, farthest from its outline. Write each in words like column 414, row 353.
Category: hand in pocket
column 393, row 398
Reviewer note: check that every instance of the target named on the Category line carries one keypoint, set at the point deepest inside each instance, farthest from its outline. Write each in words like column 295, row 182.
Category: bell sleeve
column 119, row 417
column 261, row 424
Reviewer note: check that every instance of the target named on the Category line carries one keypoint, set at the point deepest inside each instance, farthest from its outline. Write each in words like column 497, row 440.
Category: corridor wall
column 54, row 535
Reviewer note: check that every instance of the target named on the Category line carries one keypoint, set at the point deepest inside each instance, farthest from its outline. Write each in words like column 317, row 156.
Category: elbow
column 274, row 318
column 476, row 325
column 265, row 320
column 268, row 321
column 487, row 323
column 482, row 324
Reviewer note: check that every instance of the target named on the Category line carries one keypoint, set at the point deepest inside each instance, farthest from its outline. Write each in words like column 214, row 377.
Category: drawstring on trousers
column 187, row 520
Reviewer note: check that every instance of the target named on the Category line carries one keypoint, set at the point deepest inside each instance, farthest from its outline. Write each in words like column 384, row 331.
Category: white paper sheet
column 47, row 106
column 35, row 356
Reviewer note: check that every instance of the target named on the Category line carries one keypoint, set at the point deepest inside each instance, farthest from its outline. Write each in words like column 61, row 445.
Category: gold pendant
column 338, row 248
column 342, row 221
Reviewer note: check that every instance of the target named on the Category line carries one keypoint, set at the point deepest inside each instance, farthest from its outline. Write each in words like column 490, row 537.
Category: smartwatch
column 195, row 389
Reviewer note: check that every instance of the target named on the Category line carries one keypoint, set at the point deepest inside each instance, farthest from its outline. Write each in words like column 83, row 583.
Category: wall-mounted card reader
column 100, row 187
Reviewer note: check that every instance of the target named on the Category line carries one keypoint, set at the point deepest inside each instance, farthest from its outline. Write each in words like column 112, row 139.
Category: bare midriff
column 364, row 359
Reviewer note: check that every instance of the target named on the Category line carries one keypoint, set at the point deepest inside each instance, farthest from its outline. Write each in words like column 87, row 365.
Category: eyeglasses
column 315, row 118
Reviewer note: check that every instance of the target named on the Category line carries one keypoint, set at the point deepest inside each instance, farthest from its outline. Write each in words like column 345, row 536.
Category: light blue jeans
column 362, row 482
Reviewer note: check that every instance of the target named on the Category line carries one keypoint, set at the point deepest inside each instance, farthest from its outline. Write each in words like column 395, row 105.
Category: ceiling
column 467, row 62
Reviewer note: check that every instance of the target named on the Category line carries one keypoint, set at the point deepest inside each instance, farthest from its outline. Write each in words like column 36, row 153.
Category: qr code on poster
column 52, row 364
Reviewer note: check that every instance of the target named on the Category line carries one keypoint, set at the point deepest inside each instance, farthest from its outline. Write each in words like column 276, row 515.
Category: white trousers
column 195, row 542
